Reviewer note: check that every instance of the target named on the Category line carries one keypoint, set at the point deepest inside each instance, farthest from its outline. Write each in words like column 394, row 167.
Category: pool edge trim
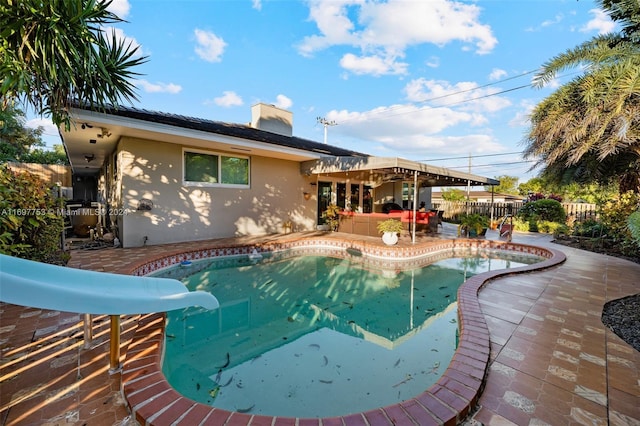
column 450, row 400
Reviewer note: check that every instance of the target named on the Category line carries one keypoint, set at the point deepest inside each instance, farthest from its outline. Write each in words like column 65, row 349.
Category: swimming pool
column 368, row 335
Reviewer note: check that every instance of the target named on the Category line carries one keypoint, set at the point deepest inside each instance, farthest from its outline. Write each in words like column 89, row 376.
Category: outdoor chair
column 434, row 221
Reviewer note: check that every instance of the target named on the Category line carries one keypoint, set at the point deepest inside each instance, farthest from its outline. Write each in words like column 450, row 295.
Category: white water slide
column 41, row 285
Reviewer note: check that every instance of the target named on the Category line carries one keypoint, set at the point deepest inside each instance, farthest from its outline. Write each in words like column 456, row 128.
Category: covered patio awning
column 379, row 170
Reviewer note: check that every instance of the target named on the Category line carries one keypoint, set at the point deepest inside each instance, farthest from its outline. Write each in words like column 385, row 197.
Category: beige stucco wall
column 385, row 194
column 153, row 171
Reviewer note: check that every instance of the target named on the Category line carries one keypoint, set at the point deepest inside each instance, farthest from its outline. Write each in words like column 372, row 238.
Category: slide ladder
column 506, row 229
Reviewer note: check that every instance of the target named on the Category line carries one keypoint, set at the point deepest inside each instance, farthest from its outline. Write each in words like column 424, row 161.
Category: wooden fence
column 50, row 173
column 452, row 209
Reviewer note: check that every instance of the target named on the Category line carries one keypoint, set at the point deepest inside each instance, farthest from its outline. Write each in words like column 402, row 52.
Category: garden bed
column 622, row 316
column 594, row 244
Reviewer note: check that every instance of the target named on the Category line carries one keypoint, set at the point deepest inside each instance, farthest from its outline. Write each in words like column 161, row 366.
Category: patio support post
column 114, row 349
column 88, row 331
column 415, row 198
column 493, row 188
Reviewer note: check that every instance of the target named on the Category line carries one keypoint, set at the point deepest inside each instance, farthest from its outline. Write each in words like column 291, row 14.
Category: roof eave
column 425, row 172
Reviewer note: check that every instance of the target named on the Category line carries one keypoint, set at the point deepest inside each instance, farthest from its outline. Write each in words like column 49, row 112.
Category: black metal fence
column 452, row 209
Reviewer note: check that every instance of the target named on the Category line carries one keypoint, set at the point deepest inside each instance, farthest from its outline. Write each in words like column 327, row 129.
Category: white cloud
column 497, row 74
column 50, row 135
column 159, row 87
column 547, row 23
column 47, row 125
column 601, row 22
column 556, row 20
column 283, row 102
column 460, row 145
column 120, row 8
column 373, row 65
column 123, row 38
column 399, row 23
column 209, row 46
column 465, row 95
column 382, row 31
column 409, row 129
column 443, row 118
column 396, row 121
column 256, row 4
column 433, row 62
column 334, row 25
column 228, row 99
column 521, row 118
column 554, row 83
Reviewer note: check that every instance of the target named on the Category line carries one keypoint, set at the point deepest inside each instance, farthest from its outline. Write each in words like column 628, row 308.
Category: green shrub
column 520, row 225
column 562, row 230
column 554, row 228
column 546, row 209
column 31, row 223
column 633, row 223
column 615, row 215
column 589, row 228
column 537, row 216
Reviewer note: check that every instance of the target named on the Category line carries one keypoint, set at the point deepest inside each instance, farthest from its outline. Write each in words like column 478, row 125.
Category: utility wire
column 392, row 108
column 471, row 156
column 488, row 95
column 492, row 164
column 454, row 94
column 476, row 88
column 462, row 101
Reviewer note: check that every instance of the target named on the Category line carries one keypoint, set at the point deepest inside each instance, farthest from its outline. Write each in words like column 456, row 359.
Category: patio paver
column 551, row 359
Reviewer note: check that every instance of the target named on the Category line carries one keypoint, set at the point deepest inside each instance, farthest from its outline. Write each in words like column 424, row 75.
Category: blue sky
column 435, row 81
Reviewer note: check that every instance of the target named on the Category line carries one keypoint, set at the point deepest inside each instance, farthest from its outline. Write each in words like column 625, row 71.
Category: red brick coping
column 447, row 402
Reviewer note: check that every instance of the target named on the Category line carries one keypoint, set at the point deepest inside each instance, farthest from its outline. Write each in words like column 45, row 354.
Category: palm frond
column 54, row 52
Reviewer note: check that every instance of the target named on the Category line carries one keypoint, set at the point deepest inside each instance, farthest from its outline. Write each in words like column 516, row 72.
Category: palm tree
column 589, row 129
column 56, row 53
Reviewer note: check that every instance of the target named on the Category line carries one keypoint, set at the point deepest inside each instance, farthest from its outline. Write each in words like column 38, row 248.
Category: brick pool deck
column 533, row 351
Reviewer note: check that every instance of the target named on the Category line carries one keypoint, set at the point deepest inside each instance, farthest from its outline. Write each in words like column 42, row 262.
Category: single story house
column 163, row 178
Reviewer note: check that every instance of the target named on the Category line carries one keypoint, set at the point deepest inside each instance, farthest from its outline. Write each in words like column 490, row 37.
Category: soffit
column 386, row 169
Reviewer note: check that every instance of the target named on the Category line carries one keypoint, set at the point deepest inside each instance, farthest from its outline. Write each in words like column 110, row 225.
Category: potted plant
column 332, row 217
column 473, row 225
column 390, row 229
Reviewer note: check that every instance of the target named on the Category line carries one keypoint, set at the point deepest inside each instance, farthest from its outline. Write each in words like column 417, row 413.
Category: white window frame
column 219, row 155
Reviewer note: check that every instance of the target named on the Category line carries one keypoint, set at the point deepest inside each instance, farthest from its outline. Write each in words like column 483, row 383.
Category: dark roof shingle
column 229, row 129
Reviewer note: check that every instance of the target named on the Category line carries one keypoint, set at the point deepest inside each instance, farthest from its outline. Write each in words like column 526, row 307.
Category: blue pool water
column 316, row 336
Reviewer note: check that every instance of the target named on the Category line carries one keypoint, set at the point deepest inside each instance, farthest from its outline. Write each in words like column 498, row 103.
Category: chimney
column 272, row 119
